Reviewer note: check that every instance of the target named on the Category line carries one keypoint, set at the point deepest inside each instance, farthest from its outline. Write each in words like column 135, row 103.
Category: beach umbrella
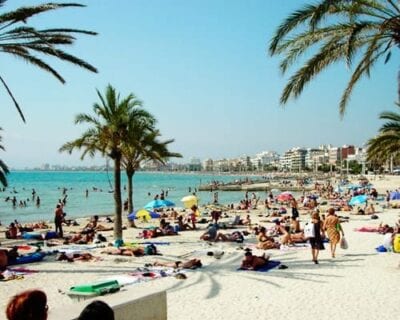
column 155, row 204
column 395, row 195
column 358, row 200
column 190, row 201
column 143, row 214
column 285, row 196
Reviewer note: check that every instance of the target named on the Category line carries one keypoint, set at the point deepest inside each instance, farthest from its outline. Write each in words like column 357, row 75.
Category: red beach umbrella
column 284, row 196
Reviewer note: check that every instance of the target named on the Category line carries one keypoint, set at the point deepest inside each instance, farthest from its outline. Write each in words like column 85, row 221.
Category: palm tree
column 334, row 30
column 23, row 41
column 143, row 144
column 106, row 134
column 386, row 145
column 3, row 168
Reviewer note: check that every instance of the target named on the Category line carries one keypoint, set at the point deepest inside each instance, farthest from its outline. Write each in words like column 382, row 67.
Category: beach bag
column 343, row 243
column 309, row 230
column 396, row 243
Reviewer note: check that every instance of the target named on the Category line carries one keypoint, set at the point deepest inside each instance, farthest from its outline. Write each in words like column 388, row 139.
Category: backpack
column 150, row 250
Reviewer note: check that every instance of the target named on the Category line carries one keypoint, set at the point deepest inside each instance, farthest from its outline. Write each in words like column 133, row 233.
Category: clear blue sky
column 201, row 67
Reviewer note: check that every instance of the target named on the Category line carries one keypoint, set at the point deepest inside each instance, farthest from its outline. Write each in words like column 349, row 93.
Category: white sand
column 359, row 283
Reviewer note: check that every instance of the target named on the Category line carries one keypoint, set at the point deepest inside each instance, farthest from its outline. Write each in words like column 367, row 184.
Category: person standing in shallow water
column 58, row 218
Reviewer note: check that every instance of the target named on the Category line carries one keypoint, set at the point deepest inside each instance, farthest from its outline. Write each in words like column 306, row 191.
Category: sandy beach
column 358, row 283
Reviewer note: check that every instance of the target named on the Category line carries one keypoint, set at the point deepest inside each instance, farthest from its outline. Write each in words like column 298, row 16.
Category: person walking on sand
column 333, row 228
column 58, row 219
column 316, row 241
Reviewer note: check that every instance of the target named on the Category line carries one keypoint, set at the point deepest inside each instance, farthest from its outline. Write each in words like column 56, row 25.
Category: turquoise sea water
column 49, row 187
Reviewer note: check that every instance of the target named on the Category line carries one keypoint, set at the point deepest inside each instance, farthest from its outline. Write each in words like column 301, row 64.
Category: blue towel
column 155, row 243
column 272, row 264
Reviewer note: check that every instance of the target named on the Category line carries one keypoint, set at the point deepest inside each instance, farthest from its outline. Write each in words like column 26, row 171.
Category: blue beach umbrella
column 155, row 204
column 358, row 200
column 143, row 214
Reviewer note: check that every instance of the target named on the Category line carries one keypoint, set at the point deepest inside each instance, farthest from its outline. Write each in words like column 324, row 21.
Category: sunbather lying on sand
column 382, row 228
column 232, row 237
column 190, row 264
column 121, row 251
column 75, row 257
column 80, row 238
column 94, row 226
column 251, row 262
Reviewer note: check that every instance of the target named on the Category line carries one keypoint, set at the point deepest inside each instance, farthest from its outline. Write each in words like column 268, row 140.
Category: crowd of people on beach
column 281, row 225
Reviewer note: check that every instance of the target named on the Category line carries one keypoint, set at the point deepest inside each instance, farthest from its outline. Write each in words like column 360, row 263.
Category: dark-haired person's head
column 97, row 310
column 28, row 305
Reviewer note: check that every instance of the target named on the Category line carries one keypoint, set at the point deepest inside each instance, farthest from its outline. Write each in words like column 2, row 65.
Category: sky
column 201, row 67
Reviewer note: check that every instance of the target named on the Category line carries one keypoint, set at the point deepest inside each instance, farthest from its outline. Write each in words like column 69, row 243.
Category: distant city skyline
column 202, row 69
column 103, row 166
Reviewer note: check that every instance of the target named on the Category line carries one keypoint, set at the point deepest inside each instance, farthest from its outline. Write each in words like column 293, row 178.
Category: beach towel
column 297, row 246
column 123, row 280
column 156, row 243
column 367, row 229
column 272, row 264
column 22, row 270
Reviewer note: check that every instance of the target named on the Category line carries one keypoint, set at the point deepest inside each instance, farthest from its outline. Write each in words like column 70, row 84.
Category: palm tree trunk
column 129, row 174
column 117, row 199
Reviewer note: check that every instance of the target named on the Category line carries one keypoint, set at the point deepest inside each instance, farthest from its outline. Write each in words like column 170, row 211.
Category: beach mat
column 156, row 243
column 33, row 257
column 272, row 264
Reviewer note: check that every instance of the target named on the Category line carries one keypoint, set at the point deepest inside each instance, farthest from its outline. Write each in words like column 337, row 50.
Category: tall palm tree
column 143, row 144
column 334, row 30
column 106, row 134
column 386, row 144
column 25, row 42
column 3, row 168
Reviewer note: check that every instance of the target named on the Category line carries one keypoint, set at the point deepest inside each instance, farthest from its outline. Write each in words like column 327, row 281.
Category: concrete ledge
column 133, row 303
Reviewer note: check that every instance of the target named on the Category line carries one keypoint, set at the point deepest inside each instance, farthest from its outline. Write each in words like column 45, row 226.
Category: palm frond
column 365, row 29
column 24, row 13
column 24, row 41
column 13, row 99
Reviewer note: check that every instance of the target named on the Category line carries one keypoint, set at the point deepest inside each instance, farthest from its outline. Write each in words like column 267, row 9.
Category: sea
column 51, row 186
